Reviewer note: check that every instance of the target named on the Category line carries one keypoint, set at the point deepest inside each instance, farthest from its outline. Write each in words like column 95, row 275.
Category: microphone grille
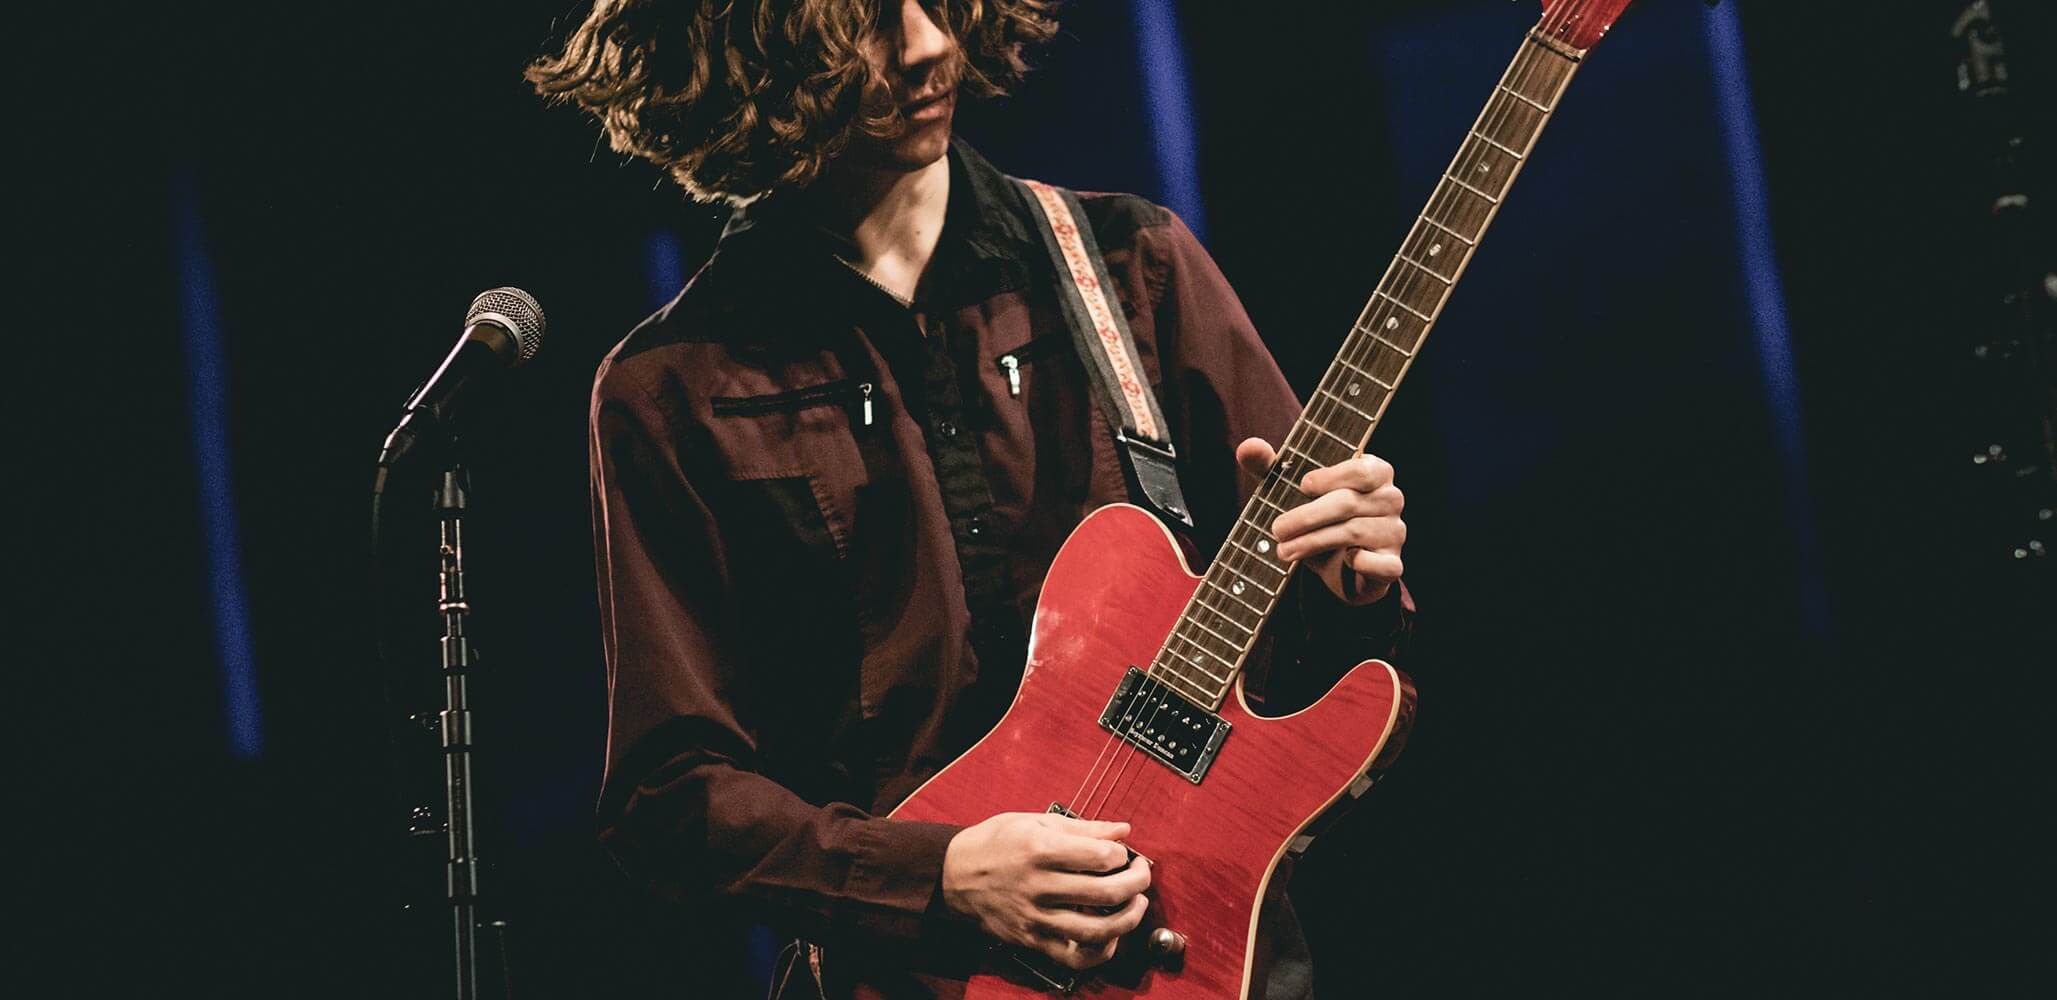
column 514, row 309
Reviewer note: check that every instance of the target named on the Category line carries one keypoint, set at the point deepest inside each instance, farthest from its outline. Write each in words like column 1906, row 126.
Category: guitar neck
column 1242, row 587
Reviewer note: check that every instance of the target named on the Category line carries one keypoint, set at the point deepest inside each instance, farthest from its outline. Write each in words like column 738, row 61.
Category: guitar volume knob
column 1167, row 946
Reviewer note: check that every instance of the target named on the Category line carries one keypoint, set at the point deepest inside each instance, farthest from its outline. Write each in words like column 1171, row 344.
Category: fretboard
column 1242, row 586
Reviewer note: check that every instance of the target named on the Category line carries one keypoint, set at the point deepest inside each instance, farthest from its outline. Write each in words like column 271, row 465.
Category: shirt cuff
column 899, row 871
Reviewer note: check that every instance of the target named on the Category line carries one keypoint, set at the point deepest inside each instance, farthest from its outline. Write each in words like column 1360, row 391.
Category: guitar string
column 1445, row 193
column 1520, row 73
column 1528, row 67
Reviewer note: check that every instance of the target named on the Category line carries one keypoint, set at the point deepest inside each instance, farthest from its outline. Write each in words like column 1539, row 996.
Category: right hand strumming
column 1023, row 876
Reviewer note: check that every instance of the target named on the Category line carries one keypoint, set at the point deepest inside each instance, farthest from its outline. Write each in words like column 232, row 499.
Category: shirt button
column 947, row 429
column 975, row 526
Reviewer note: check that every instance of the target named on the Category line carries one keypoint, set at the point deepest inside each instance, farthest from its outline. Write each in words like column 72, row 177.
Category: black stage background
column 1691, row 723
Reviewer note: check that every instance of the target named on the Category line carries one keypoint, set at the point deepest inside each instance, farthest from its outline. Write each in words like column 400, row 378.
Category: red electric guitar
column 1125, row 709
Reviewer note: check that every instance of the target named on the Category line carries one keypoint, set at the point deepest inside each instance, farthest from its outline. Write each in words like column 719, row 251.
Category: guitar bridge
column 1165, row 725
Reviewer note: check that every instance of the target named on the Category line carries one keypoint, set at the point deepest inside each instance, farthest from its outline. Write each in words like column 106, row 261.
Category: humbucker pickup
column 1165, row 724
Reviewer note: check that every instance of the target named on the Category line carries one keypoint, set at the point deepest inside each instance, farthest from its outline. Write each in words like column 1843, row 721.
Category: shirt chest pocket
column 798, row 463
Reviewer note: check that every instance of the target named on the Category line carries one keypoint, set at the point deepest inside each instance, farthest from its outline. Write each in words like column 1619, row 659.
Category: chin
column 923, row 146
column 920, row 147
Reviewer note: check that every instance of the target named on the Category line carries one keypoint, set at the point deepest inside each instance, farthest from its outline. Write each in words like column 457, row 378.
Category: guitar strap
column 1100, row 331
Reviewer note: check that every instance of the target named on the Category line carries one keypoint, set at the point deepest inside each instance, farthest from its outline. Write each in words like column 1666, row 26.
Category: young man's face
column 923, row 63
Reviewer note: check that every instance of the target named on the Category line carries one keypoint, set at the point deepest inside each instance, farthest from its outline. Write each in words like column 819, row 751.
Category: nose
column 921, row 41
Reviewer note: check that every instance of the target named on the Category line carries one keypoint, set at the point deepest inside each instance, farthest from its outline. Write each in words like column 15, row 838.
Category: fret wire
column 1363, row 366
column 1232, row 596
column 1473, row 190
column 1473, row 157
column 1189, row 661
column 1444, row 199
column 1403, row 305
column 1502, row 147
column 1268, row 592
column 1170, row 677
column 1346, row 404
column 1454, row 233
column 1523, row 99
column 1289, row 447
column 1543, row 71
column 1293, row 495
column 1345, row 442
column 1202, row 647
column 1432, row 272
column 1182, row 658
column 1403, row 352
column 1192, row 687
column 1399, row 280
column 1246, row 549
column 1531, row 67
column 1192, row 619
column 1367, row 375
column 1217, row 635
column 1442, row 293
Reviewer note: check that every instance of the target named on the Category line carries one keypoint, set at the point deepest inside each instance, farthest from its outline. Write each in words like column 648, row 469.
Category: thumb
column 1254, row 456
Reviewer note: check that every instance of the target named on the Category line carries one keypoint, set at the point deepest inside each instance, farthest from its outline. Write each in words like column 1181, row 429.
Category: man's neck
column 893, row 219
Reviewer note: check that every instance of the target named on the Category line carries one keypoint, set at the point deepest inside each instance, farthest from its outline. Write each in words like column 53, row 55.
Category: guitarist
column 829, row 476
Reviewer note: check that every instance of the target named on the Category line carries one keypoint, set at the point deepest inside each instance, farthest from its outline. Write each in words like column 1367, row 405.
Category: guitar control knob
column 1167, row 946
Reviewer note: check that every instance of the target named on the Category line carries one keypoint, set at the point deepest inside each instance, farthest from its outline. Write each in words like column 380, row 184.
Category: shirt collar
column 986, row 246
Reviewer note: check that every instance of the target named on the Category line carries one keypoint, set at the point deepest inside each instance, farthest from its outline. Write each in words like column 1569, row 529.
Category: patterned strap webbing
column 1108, row 350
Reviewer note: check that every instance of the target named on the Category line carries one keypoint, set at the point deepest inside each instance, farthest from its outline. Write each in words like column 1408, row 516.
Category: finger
column 1335, row 507
column 1385, row 566
column 1064, row 852
column 1363, row 474
column 1091, row 928
column 1069, row 889
column 1098, row 829
column 1363, row 532
column 1254, row 456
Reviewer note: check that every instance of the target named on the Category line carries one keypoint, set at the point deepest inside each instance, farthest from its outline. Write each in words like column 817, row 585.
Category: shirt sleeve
column 1220, row 385
column 684, row 809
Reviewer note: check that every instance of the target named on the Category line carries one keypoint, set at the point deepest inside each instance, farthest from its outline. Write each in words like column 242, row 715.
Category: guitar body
column 1119, row 600
column 1112, row 596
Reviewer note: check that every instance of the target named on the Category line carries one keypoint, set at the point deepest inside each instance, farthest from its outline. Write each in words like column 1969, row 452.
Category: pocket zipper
column 796, row 400
column 1012, row 361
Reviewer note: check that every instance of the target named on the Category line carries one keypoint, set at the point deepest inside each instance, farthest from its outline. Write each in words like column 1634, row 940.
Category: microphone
column 502, row 329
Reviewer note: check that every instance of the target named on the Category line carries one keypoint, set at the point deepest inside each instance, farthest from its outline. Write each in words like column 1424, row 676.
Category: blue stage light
column 1764, row 293
column 1166, row 96
column 207, row 369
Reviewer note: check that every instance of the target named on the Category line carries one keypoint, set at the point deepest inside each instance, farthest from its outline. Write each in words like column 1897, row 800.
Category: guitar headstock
column 1580, row 23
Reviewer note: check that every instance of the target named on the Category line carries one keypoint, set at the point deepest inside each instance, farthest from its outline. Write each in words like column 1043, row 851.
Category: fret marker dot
column 1482, row 168
column 1237, row 586
column 1263, row 545
column 1435, row 249
column 1354, row 389
column 1392, row 322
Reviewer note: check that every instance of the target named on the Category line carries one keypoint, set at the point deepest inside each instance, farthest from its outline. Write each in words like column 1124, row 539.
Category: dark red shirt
column 789, row 647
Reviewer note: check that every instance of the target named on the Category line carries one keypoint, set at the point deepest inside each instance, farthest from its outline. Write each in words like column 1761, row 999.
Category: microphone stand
column 462, row 879
column 454, row 724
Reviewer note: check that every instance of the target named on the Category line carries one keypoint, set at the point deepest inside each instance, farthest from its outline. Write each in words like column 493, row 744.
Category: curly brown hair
column 737, row 98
